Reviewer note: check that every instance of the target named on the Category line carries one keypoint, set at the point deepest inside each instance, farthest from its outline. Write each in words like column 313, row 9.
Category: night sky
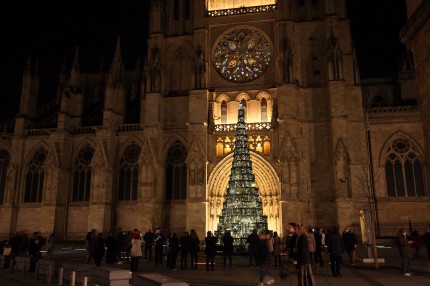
column 50, row 32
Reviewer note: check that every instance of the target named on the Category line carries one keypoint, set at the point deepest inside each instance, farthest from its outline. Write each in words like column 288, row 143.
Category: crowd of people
column 303, row 247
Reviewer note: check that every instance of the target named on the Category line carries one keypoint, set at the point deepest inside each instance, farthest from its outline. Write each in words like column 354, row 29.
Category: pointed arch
column 176, row 172
column 130, row 140
column 391, row 138
column 172, row 140
column 82, row 171
column 223, row 97
column 242, row 96
column 263, row 94
column 129, row 169
column 404, row 166
column 85, row 142
column 179, row 57
column 267, row 181
column 35, row 174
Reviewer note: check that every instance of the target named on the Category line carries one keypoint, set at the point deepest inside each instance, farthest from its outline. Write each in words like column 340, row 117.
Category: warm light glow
column 230, row 4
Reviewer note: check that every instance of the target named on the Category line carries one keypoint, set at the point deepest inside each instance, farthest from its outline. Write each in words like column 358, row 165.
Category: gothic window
column 404, row 170
column 223, row 112
column 176, row 173
column 4, row 164
column 187, row 9
column 263, row 110
column 34, row 177
column 82, row 175
column 129, row 173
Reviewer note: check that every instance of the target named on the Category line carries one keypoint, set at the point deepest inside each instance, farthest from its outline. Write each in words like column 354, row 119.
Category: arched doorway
column 266, row 179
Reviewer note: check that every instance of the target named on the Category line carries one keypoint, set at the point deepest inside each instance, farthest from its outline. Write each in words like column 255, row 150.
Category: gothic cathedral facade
column 152, row 146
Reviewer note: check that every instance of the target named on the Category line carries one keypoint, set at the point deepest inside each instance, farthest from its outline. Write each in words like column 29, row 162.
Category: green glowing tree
column 242, row 209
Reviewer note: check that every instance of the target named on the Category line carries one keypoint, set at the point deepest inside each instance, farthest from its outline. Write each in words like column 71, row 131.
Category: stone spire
column 74, row 80
column 117, row 68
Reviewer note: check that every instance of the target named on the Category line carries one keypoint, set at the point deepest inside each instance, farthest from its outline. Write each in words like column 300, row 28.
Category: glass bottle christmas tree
column 242, row 209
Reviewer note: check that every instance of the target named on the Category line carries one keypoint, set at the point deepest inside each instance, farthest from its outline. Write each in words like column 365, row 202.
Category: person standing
column 263, row 258
column 305, row 276
column 426, row 240
column 194, row 246
column 291, row 241
column 252, row 241
column 350, row 241
column 99, row 250
column 184, row 242
column 318, row 248
column 335, row 249
column 149, row 241
column 172, row 251
column 136, row 251
column 90, row 244
column 158, row 245
column 311, row 245
column 404, row 251
column 111, row 251
column 277, row 249
column 210, row 250
column 227, row 241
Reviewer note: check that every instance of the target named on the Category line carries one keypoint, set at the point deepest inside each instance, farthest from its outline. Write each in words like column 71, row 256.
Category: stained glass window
column 404, row 170
column 129, row 173
column 34, row 177
column 242, row 54
column 82, row 175
column 4, row 164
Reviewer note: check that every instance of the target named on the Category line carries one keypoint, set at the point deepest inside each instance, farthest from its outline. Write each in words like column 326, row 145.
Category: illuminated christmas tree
column 242, row 209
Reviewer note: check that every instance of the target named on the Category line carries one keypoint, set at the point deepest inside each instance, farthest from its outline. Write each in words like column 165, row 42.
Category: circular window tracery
column 242, row 54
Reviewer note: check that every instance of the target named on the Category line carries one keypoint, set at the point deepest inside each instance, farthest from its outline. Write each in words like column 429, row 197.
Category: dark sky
column 50, row 32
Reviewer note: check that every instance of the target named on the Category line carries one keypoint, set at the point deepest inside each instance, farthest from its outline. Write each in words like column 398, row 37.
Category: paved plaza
column 239, row 274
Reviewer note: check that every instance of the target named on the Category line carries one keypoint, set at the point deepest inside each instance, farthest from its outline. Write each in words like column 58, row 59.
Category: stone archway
column 266, row 179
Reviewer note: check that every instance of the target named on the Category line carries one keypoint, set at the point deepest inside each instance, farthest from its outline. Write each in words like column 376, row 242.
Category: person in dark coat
column 149, row 241
column 120, row 244
column 227, row 241
column 318, row 248
column 263, row 257
column 291, row 241
column 111, row 250
column 350, row 241
column 305, row 276
column 158, row 245
column 184, row 242
column 99, row 251
column 15, row 243
column 210, row 250
column 35, row 244
column 335, row 249
column 252, row 241
column 194, row 247
column 172, row 251
column 404, row 250
column 416, row 242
